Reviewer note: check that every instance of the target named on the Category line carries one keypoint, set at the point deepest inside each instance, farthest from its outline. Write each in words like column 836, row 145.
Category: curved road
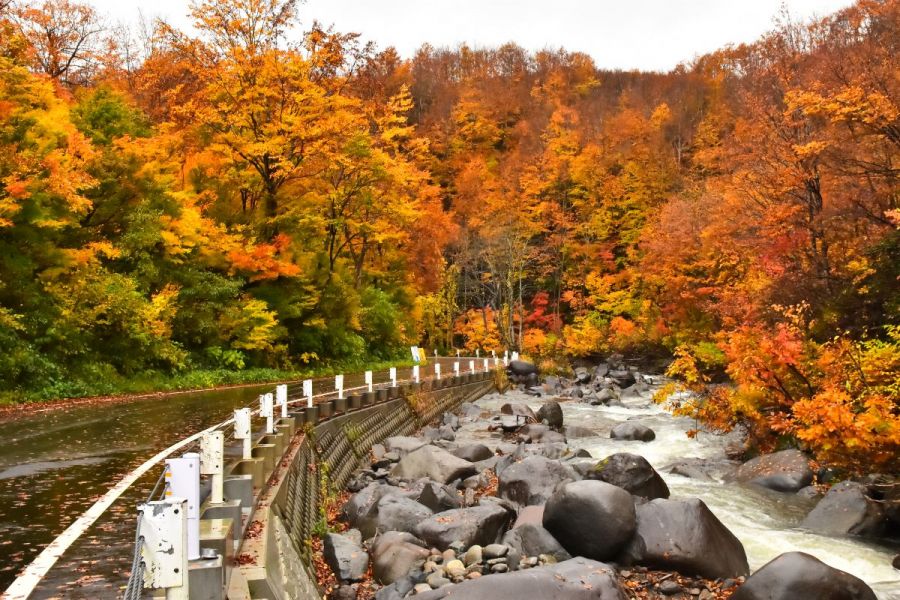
column 54, row 464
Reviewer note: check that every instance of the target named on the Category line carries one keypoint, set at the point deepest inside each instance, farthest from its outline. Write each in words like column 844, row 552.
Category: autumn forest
column 249, row 197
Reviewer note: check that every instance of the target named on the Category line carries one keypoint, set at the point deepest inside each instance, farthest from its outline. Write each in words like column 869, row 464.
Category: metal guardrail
column 31, row 576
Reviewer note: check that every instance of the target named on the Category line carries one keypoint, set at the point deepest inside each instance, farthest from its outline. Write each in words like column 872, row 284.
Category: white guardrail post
column 339, row 385
column 183, row 479
column 393, row 376
column 437, row 370
column 212, row 456
column 163, row 527
column 368, row 379
column 242, row 431
column 281, row 398
column 307, row 392
column 472, row 367
column 486, row 365
column 266, row 410
column 456, row 368
column 416, row 373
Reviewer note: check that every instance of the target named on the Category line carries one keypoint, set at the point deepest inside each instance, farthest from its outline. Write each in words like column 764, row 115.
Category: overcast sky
column 625, row 34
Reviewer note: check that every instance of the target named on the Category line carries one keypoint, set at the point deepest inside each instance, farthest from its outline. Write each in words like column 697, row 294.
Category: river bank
column 517, row 470
column 187, row 383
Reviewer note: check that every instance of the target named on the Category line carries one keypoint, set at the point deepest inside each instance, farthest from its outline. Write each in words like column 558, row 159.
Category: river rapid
column 766, row 522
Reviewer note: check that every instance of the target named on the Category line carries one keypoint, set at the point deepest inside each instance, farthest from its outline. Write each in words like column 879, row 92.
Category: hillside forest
column 267, row 193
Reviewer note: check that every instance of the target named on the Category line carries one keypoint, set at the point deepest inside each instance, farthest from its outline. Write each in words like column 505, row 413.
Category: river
column 765, row 522
column 55, row 463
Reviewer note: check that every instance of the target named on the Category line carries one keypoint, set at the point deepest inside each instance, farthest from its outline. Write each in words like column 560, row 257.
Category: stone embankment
column 497, row 501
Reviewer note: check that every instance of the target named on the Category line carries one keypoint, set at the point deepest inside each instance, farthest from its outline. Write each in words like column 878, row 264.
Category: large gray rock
column 346, row 558
column 480, row 525
column 552, row 413
column 785, row 471
column 797, row 576
column 576, row 431
column 533, row 480
column 361, row 510
column 394, row 554
column 433, row 463
column 519, row 409
column 403, row 444
column 632, row 431
column 846, row 510
column 533, row 540
column 539, row 433
column 397, row 513
column 521, row 368
column 575, row 579
column 590, row 518
column 632, row 473
column 685, row 536
column 622, row 377
column 473, row 452
column 438, row 497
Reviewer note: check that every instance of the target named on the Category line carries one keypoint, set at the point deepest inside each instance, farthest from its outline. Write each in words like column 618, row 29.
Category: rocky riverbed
column 584, row 489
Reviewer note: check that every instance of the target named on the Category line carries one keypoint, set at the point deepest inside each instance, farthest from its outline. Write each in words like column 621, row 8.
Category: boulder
column 632, row 473
column 785, row 471
column 434, row 463
column 632, row 431
column 397, row 513
column 403, row 444
column 534, row 540
column 480, row 524
column 685, row 536
column 574, row 579
column 539, row 433
column 521, row 368
column 469, row 410
column 575, row 431
column 532, row 480
column 582, row 375
column 347, row 559
column 530, row 515
column 603, row 396
column 551, row 413
column 438, row 497
column 473, row 452
column 361, row 510
column 394, row 554
column 846, row 510
column 519, row 409
column 590, row 518
column 622, row 377
column 795, row 575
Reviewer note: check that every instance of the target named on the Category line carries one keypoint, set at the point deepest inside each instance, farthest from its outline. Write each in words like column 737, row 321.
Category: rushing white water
column 765, row 522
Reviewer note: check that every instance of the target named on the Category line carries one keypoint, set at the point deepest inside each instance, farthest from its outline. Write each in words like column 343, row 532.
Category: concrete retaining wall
column 288, row 508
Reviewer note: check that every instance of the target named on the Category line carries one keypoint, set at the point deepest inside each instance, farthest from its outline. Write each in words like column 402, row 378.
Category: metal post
column 472, row 366
column 212, row 451
column 486, row 365
column 242, row 431
column 437, row 370
column 183, row 477
column 267, row 410
column 416, row 373
column 163, row 529
column 281, row 397
column 339, row 385
column 478, row 353
column 307, row 391
column 393, row 376
column 456, row 368
column 369, row 379
column 457, row 354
